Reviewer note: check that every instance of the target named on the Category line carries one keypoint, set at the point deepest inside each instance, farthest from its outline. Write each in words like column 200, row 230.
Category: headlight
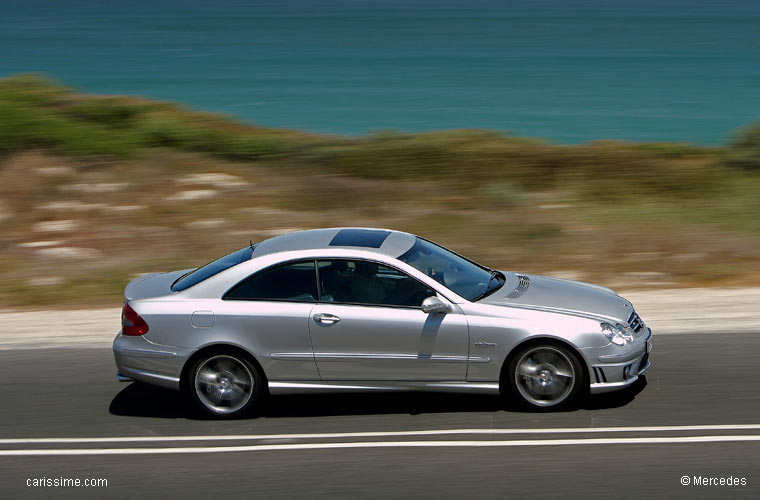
column 616, row 333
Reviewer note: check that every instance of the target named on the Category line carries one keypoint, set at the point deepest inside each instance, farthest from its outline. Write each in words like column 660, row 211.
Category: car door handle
column 326, row 319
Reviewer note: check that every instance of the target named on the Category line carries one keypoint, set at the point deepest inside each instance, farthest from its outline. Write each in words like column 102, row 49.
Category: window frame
column 316, row 260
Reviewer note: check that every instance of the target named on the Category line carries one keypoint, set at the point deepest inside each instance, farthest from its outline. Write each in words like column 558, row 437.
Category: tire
column 544, row 377
column 224, row 384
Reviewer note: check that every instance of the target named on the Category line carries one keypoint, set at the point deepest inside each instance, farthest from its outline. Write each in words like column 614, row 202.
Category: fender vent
column 522, row 287
column 599, row 375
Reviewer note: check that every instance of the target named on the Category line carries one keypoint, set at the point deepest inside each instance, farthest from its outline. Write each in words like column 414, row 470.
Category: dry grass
column 118, row 220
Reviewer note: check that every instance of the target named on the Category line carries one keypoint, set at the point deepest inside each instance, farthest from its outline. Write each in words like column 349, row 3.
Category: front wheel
column 544, row 377
column 224, row 384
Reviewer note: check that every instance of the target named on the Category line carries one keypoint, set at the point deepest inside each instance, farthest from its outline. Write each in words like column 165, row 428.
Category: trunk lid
column 151, row 285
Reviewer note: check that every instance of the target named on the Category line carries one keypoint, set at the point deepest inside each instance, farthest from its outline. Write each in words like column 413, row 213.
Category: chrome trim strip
column 478, row 359
column 123, row 378
column 337, row 356
column 145, row 353
column 292, row 356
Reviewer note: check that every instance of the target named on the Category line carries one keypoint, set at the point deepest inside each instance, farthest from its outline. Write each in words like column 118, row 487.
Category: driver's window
column 365, row 282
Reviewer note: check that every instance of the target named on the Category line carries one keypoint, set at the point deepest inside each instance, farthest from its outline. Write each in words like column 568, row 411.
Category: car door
column 268, row 314
column 369, row 325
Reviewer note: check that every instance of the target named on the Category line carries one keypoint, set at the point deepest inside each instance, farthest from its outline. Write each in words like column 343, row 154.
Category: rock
column 689, row 256
column 69, row 253
column 96, row 187
column 556, row 206
column 55, row 226
column 216, row 179
column 40, row 244
column 55, row 170
column 72, row 205
column 193, row 195
column 124, row 208
column 49, row 281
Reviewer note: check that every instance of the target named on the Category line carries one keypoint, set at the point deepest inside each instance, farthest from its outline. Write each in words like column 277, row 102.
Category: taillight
column 132, row 323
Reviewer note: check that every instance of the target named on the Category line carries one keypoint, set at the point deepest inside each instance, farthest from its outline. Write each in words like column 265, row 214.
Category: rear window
column 294, row 281
column 202, row 273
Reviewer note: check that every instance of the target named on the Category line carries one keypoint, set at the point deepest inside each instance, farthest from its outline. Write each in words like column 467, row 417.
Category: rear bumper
column 623, row 371
column 139, row 359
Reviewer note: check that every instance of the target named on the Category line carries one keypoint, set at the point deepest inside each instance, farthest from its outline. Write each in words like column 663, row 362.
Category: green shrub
column 31, row 90
column 23, row 127
column 744, row 149
column 115, row 112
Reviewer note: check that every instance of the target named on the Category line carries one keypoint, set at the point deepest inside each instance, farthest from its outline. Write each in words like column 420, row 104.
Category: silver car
column 352, row 309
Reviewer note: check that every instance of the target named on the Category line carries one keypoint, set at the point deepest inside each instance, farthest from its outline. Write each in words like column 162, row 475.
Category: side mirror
column 434, row 305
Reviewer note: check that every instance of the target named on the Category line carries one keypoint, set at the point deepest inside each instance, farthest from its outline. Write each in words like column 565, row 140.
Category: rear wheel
column 544, row 377
column 224, row 384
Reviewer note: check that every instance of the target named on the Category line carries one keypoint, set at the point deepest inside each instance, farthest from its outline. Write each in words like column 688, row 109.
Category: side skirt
column 302, row 387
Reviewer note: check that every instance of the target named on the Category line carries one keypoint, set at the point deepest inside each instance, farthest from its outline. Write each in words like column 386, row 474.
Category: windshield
column 212, row 268
column 462, row 276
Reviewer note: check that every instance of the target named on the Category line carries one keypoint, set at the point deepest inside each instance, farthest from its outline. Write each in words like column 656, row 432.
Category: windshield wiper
column 488, row 291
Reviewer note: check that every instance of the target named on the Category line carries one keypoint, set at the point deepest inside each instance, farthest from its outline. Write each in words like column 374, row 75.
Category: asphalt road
column 695, row 380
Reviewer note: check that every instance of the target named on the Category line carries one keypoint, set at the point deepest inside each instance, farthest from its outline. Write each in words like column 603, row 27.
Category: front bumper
column 613, row 372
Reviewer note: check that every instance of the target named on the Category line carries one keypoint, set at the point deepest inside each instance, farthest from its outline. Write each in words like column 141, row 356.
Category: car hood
column 558, row 295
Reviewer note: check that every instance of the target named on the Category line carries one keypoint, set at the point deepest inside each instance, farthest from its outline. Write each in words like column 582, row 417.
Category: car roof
column 383, row 241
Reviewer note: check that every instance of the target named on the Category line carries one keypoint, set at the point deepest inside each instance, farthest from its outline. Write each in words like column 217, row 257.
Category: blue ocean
column 566, row 70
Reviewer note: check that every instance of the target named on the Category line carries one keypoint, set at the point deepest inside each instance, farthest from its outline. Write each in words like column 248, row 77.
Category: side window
column 363, row 282
column 294, row 281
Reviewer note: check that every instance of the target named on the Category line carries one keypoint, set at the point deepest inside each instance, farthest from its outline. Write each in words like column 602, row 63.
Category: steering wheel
column 436, row 275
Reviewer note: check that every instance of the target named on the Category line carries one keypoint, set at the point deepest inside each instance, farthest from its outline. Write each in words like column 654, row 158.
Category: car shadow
column 143, row 400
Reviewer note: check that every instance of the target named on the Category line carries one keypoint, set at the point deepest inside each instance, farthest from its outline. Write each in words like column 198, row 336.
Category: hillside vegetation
column 97, row 189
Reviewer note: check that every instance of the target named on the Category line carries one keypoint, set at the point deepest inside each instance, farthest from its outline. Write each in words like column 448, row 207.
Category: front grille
column 522, row 287
column 635, row 323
